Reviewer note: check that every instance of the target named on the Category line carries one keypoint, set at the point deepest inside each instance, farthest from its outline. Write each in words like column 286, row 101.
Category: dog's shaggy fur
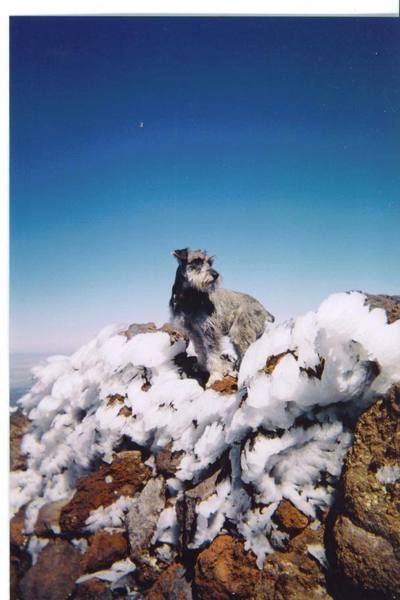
column 207, row 312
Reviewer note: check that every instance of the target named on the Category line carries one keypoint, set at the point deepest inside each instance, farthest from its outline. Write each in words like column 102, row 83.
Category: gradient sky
column 272, row 142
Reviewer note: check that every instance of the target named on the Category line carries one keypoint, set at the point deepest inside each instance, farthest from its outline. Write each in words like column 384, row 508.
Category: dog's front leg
column 217, row 365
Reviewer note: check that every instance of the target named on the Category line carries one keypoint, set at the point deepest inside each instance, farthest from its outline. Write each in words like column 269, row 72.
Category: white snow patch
column 283, row 431
column 388, row 474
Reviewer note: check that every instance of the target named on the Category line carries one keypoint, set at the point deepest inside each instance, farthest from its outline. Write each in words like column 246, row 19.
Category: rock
column 54, row 574
column 295, row 574
column 171, row 585
column 18, row 539
column 103, row 550
column 167, row 462
column 48, row 521
column 227, row 385
column 136, row 328
column 186, row 508
column 370, row 503
column 175, row 334
column 142, row 517
column 274, row 359
column 367, row 561
column 115, row 399
column 94, row 589
column 125, row 476
column 18, row 427
column 224, row 571
column 20, row 562
column 390, row 304
column 289, row 518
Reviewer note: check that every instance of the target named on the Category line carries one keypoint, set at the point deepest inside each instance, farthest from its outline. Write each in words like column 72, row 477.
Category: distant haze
column 274, row 143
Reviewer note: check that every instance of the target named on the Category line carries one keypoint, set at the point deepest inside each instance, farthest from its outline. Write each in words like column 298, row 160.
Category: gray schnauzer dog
column 207, row 313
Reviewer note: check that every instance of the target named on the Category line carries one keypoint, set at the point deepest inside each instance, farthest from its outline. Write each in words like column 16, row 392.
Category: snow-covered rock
column 281, row 435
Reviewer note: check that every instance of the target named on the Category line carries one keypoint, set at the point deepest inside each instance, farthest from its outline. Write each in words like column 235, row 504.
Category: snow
column 388, row 474
column 283, row 431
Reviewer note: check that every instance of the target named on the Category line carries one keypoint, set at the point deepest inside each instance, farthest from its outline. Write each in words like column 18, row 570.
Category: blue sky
column 272, row 142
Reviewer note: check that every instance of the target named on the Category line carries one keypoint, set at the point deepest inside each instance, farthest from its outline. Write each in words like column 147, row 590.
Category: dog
column 207, row 313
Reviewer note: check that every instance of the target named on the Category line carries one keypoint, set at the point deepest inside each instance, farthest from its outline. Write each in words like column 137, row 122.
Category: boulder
column 54, row 574
column 125, row 476
column 172, row 584
column 103, row 550
column 19, row 424
column 367, row 561
column 370, row 504
column 18, row 539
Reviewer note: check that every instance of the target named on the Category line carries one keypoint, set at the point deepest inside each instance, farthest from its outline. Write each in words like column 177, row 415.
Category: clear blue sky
column 272, row 142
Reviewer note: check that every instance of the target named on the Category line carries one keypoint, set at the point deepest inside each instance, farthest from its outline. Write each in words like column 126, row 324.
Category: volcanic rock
column 289, row 518
column 125, row 476
column 167, row 461
column 186, row 508
column 104, row 549
column 54, row 574
column 18, row 427
column 94, row 589
column 171, row 585
column 367, row 534
column 224, row 570
column 390, row 304
column 142, row 517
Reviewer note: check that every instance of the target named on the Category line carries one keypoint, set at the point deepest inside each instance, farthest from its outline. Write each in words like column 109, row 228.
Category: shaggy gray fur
column 207, row 312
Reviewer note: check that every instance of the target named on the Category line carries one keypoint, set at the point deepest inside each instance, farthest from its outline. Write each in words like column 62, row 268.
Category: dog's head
column 195, row 267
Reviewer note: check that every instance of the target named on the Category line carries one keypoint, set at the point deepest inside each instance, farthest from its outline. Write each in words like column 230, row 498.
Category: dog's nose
column 214, row 274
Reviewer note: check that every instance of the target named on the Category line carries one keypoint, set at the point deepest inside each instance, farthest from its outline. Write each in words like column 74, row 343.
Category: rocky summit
column 131, row 479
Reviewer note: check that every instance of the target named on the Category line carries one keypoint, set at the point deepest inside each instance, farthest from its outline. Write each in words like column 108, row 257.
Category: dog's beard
column 202, row 281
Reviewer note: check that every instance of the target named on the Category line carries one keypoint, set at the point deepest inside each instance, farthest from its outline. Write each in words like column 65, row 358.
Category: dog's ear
column 180, row 254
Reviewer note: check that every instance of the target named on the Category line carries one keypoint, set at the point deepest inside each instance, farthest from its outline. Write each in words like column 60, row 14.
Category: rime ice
column 282, row 432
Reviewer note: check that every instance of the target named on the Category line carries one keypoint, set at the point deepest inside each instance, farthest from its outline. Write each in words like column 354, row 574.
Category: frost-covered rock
column 367, row 533
column 277, row 435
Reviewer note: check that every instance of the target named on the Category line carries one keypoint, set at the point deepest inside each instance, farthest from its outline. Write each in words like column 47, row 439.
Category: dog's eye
column 197, row 262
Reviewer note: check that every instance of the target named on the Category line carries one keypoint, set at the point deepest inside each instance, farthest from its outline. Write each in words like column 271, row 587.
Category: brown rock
column 224, row 570
column 94, row 589
column 171, row 585
column 367, row 533
column 115, row 399
column 20, row 562
column 175, row 334
column 368, row 502
column 289, row 518
column 18, row 427
column 390, row 304
column 17, row 524
column 48, row 521
column 291, row 576
column 54, row 574
column 227, row 385
column 142, row 517
column 125, row 411
column 295, row 574
column 125, row 476
column 167, row 462
column 103, row 550
column 136, row 328
column 367, row 560
column 274, row 359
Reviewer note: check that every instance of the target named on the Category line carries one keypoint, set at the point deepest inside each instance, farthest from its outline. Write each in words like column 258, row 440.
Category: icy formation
column 281, row 433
